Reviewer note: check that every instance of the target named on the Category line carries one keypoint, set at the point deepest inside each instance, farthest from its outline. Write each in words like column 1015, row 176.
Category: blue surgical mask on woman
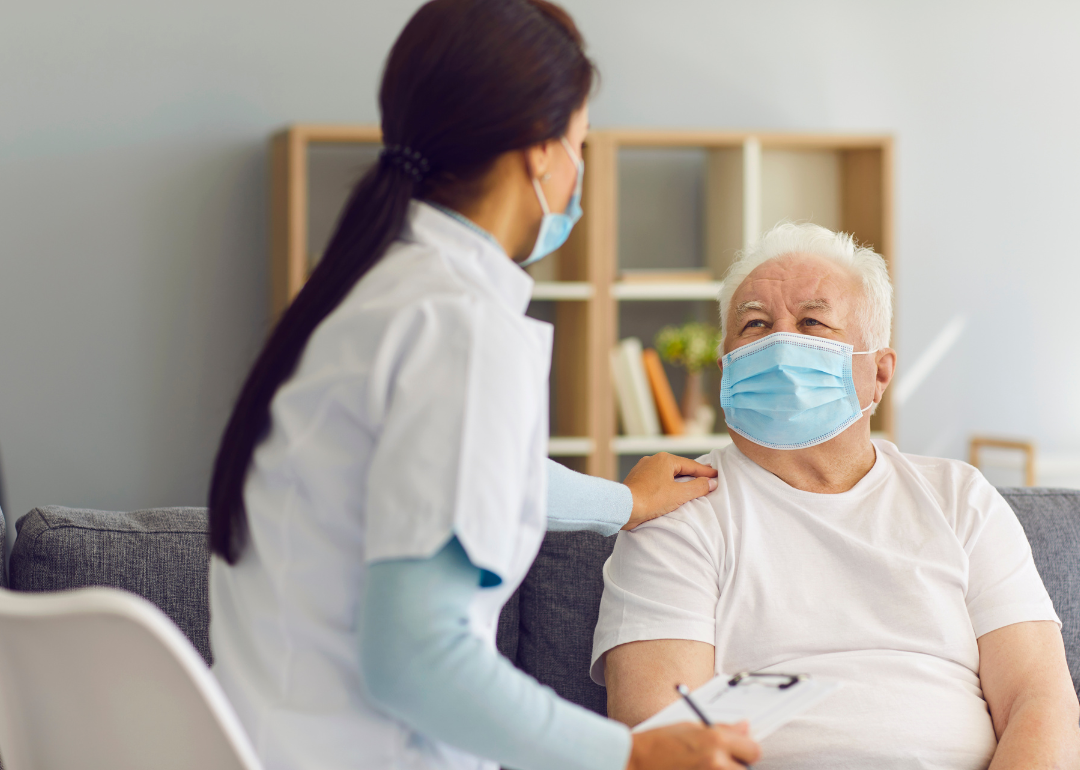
column 554, row 227
column 790, row 391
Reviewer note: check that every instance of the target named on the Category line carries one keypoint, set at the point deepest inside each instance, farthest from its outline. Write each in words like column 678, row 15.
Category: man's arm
column 641, row 676
column 1027, row 685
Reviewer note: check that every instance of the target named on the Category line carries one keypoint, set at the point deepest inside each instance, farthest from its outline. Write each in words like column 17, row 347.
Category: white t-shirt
column 418, row 411
column 886, row 587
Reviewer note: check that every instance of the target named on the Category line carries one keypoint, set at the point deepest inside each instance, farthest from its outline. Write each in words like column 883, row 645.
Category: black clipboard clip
column 748, row 677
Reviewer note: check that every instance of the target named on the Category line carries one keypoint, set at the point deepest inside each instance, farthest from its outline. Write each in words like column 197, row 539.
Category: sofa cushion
column 159, row 554
column 1051, row 519
column 558, row 607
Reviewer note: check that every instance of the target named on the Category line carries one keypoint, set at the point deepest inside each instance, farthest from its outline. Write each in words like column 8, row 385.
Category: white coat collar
column 478, row 258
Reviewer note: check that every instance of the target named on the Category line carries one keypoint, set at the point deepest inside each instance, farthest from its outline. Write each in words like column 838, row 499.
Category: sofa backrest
column 546, row 628
column 159, row 554
column 1051, row 519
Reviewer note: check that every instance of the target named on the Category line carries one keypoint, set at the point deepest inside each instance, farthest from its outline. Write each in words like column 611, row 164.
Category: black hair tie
column 406, row 160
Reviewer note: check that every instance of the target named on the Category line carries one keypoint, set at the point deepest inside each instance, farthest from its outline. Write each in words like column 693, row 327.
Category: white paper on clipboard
column 760, row 702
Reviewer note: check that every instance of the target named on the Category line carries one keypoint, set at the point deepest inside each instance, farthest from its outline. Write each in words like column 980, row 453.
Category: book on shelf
column 667, row 408
column 667, row 275
column 637, row 407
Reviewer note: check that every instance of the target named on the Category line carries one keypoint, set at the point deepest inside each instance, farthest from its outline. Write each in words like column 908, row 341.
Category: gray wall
column 133, row 199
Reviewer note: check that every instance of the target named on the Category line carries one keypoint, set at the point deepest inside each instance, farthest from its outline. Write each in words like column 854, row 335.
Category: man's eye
column 811, row 322
column 755, row 324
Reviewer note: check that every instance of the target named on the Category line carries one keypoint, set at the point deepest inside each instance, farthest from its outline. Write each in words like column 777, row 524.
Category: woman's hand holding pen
column 689, row 746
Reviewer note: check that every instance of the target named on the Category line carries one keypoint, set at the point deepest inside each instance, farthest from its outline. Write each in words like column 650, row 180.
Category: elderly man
column 828, row 553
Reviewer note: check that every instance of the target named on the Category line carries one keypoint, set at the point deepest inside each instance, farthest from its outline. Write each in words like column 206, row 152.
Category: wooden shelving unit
column 290, row 251
column 745, row 183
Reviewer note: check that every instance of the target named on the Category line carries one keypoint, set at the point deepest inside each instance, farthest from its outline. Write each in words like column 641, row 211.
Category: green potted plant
column 692, row 347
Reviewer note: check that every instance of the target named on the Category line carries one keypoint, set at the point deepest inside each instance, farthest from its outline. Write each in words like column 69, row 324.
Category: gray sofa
column 546, row 628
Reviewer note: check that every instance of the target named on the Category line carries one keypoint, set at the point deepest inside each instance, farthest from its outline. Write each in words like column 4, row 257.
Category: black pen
column 684, row 691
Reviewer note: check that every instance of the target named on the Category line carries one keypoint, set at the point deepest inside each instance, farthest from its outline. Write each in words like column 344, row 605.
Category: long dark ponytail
column 466, row 81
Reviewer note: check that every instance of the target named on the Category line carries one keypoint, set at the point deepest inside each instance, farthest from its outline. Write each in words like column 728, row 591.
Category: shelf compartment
column 570, row 446
column 563, row 290
column 692, row 290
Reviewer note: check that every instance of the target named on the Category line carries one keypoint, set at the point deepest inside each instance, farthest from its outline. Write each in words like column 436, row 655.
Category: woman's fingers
column 685, row 467
column 656, row 488
column 692, row 490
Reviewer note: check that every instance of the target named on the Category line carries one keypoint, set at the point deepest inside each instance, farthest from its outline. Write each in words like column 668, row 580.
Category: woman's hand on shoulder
column 690, row 746
column 653, row 484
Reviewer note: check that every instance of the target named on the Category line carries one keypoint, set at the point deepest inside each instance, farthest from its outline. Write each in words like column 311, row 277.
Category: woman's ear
column 538, row 160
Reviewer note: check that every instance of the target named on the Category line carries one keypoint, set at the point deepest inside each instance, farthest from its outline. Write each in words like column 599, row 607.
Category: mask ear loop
column 570, row 150
column 536, row 184
column 540, row 195
column 866, row 353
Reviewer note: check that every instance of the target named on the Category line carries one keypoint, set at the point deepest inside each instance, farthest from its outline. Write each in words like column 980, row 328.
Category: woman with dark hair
column 381, row 488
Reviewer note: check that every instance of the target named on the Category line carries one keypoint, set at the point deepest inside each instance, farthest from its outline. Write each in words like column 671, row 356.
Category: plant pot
column 693, row 395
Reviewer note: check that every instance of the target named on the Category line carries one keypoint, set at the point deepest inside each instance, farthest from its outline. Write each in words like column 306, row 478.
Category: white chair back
column 100, row 679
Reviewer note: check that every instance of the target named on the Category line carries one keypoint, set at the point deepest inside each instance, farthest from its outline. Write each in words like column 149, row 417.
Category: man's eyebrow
column 746, row 307
column 815, row 304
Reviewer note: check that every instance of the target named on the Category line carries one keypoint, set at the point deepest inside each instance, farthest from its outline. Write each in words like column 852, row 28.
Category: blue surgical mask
column 790, row 391
column 555, row 228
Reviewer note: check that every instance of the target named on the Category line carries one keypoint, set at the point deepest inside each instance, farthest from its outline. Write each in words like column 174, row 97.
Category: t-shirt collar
column 476, row 254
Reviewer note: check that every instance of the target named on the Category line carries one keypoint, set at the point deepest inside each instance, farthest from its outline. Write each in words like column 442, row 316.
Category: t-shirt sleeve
column 456, row 441
column 1004, row 586
column 662, row 581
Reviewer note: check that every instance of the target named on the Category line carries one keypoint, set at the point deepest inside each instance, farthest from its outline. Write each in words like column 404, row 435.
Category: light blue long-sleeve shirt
column 577, row 501
column 423, row 665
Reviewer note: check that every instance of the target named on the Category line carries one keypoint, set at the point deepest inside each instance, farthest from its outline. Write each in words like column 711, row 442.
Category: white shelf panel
column 648, row 445
column 562, row 290
column 661, row 291
column 570, row 446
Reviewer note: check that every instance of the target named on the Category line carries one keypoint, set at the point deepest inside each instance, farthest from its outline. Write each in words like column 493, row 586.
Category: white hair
column 874, row 314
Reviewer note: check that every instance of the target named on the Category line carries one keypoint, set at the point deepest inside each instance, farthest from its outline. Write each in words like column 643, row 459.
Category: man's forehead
column 805, row 281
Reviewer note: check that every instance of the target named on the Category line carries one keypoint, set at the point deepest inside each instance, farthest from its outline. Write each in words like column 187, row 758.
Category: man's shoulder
column 960, row 489
column 724, row 458
column 697, row 516
column 702, row 514
column 695, row 519
column 940, row 472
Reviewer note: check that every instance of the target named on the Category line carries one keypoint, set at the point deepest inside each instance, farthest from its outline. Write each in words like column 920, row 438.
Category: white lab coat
column 418, row 410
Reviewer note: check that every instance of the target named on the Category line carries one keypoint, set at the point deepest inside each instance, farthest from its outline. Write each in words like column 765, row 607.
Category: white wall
column 133, row 199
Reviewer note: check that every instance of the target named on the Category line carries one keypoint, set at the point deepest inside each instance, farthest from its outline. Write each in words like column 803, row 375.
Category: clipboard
column 766, row 701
